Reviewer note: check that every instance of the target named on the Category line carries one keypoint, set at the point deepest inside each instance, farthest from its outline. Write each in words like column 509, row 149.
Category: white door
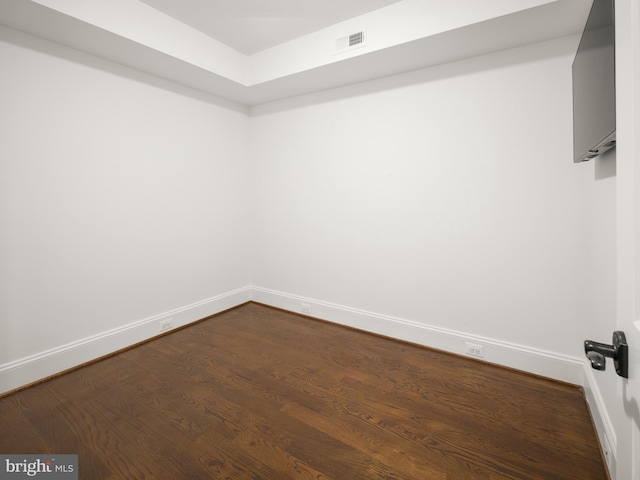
column 628, row 227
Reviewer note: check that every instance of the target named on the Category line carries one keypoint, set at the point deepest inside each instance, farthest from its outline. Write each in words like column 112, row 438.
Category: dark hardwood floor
column 257, row 393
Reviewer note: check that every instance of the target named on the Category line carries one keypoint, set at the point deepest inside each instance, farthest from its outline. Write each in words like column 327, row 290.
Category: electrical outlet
column 306, row 308
column 606, row 449
column 166, row 324
column 474, row 350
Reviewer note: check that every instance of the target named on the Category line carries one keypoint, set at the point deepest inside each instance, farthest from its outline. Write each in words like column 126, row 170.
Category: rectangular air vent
column 356, row 39
column 349, row 42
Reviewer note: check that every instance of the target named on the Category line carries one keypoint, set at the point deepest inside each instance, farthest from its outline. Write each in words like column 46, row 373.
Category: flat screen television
column 594, row 86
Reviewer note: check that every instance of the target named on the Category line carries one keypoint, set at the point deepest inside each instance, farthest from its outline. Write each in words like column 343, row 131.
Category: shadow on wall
column 631, row 407
column 605, row 166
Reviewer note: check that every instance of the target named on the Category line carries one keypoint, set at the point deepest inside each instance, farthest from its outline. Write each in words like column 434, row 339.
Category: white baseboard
column 44, row 364
column 560, row 367
column 602, row 422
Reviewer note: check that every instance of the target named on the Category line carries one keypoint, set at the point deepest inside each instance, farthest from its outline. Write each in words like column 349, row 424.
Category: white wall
column 445, row 197
column 442, row 199
column 122, row 199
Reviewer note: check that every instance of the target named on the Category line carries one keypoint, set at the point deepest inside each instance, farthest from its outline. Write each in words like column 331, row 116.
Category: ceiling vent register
column 350, row 42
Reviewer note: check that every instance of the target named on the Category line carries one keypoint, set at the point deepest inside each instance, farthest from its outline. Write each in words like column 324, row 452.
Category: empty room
column 320, row 239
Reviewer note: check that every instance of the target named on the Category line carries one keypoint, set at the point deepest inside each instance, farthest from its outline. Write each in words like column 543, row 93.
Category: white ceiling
column 250, row 26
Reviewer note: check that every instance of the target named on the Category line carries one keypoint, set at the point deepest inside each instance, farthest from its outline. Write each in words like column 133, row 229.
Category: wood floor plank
column 257, row 393
column 20, row 435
